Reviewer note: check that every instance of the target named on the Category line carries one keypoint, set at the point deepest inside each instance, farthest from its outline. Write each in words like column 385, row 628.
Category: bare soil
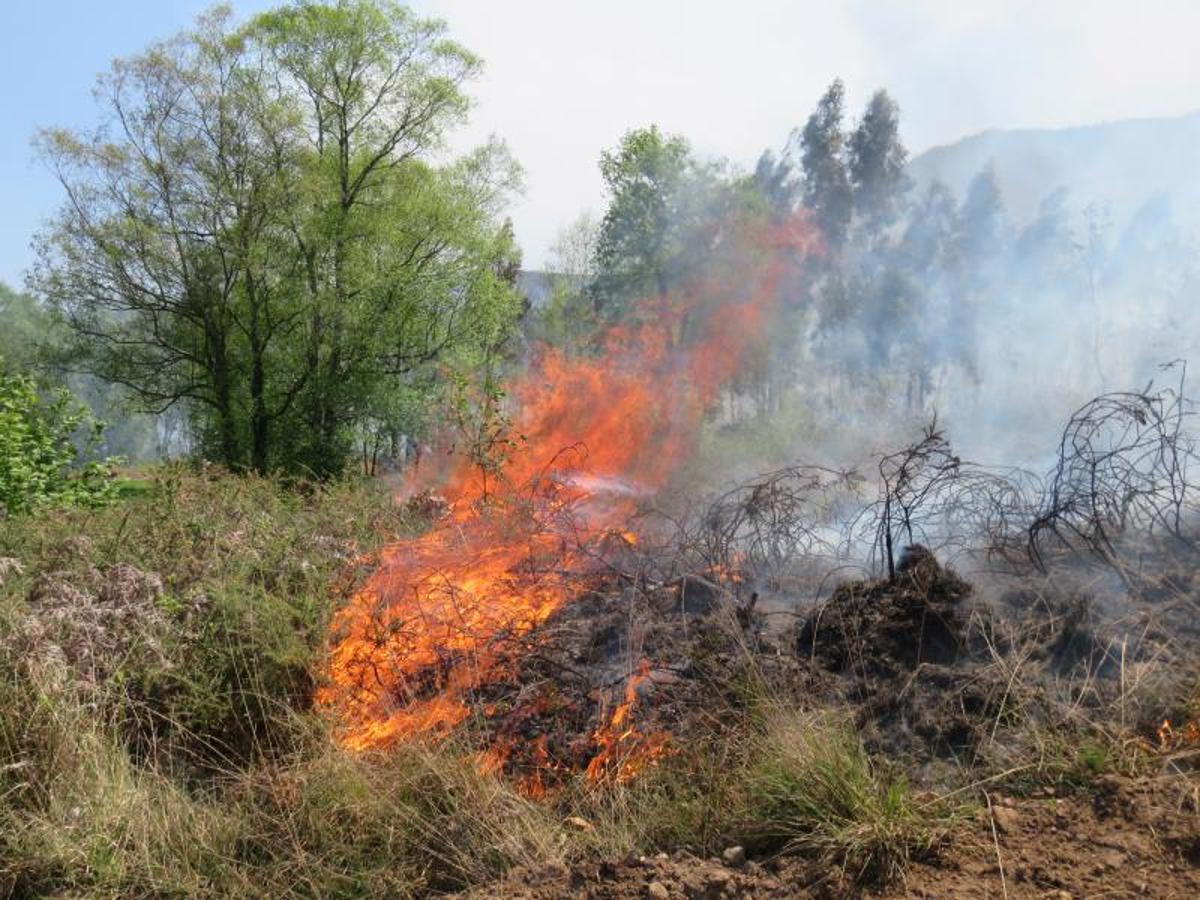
column 1124, row 839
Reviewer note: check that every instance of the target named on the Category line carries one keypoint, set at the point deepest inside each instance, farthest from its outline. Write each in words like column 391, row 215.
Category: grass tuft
column 812, row 788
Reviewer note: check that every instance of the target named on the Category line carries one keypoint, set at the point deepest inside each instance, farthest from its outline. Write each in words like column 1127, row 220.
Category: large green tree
column 259, row 230
column 641, row 249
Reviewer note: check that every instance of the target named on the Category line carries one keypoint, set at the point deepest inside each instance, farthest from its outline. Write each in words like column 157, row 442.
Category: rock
column 1006, row 819
column 715, row 882
column 734, row 857
column 656, row 890
column 1112, row 784
column 707, row 884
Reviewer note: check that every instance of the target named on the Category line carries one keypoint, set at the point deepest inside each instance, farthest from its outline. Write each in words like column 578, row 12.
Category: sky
column 565, row 78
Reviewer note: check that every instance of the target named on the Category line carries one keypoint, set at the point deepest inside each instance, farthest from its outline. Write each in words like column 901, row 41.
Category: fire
column 452, row 611
column 1171, row 738
column 623, row 750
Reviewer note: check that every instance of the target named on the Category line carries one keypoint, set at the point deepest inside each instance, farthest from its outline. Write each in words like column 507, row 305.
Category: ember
column 1170, row 738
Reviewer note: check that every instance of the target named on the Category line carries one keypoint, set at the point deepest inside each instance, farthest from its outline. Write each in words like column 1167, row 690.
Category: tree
column 26, row 324
column 927, row 244
column 877, row 160
column 982, row 227
column 776, row 181
column 640, row 250
column 396, row 255
column 166, row 259
column 1042, row 251
column 573, row 253
column 980, row 249
column 31, row 344
column 568, row 318
column 827, row 190
column 256, row 231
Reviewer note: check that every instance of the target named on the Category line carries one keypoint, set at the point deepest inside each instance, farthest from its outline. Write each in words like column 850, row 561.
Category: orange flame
column 623, row 750
column 450, row 611
column 1173, row 738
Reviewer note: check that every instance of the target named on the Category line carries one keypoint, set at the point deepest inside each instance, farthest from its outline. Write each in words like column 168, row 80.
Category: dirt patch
column 658, row 878
column 1125, row 839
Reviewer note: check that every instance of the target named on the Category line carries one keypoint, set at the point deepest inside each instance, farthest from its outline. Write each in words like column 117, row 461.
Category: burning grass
column 448, row 613
column 195, row 769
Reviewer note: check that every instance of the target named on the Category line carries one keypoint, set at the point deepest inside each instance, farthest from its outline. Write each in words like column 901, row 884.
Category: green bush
column 38, row 453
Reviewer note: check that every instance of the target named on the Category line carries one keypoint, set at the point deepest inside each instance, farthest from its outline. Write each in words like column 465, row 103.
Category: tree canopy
column 260, row 228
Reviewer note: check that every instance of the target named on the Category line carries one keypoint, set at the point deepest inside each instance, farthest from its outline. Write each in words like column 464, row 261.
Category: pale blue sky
column 564, row 78
column 50, row 55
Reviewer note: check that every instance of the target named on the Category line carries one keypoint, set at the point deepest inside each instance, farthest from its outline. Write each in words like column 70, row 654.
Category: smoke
column 998, row 318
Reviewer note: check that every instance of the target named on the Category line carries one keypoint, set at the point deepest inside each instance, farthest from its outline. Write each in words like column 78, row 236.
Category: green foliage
column 569, row 316
column 26, row 325
column 876, row 165
column 482, row 428
column 642, row 244
column 827, row 189
column 38, row 453
column 31, row 343
column 345, row 261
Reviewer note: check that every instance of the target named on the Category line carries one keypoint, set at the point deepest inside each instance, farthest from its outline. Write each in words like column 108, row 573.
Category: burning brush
column 454, row 612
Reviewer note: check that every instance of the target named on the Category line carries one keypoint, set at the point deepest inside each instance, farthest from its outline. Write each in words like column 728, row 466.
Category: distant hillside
column 1122, row 164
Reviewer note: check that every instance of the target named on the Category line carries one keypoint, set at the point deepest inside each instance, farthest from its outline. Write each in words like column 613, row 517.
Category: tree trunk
column 226, row 426
column 259, row 419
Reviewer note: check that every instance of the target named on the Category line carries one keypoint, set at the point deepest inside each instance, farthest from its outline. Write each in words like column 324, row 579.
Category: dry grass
column 81, row 816
column 811, row 787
